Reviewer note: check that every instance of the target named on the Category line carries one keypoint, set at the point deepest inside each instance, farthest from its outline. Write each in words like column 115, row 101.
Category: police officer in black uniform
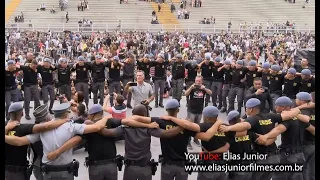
column 30, row 83
column 307, row 81
column 252, row 73
column 82, row 77
column 114, row 77
column 159, row 79
column 128, row 76
column 261, row 123
column 262, row 93
column 265, row 71
column 16, row 164
column 144, row 65
column 46, row 72
column 98, row 77
column 276, row 82
column 178, row 75
column 291, row 84
column 11, row 91
column 292, row 135
column 227, row 71
column 217, row 82
column 192, row 70
column 237, row 89
column 206, row 73
column 64, row 81
column 239, row 144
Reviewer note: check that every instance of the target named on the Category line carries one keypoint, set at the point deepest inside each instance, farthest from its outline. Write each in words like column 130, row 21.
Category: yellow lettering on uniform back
column 219, row 134
column 265, row 122
column 313, row 117
column 11, row 133
column 242, row 138
column 170, row 127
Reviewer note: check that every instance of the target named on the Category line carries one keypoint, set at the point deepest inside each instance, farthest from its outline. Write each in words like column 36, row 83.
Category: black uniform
column 216, row 142
column 11, row 91
column 159, row 80
column 265, row 79
column 102, row 153
column 190, row 79
column 226, row 86
column 47, row 84
column 265, row 98
column 30, row 84
column 309, row 148
column 98, row 79
column 128, row 75
column 262, row 124
column 16, row 162
column 216, row 85
column 82, row 80
column 178, row 75
column 64, row 82
column 308, row 85
column 114, row 80
column 237, row 88
column 206, row 72
column 173, row 152
column 145, row 67
column 275, row 86
column 250, row 75
column 291, row 87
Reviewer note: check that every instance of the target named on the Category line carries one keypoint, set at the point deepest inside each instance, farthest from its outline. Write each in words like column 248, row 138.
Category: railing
column 203, row 28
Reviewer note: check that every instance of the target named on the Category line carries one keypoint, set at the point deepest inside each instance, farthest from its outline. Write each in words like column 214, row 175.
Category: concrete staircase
column 136, row 15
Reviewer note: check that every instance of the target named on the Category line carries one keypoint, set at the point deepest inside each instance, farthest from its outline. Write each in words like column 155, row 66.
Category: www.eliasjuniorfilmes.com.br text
column 253, row 167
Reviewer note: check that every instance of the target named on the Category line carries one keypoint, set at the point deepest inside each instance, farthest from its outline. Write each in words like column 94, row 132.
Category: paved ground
column 155, row 144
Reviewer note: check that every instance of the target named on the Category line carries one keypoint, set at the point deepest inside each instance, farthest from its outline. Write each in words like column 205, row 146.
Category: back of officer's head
column 172, row 107
column 303, row 98
column 210, row 114
column 139, row 110
column 233, row 117
column 16, row 111
column 95, row 112
column 283, row 103
column 252, row 107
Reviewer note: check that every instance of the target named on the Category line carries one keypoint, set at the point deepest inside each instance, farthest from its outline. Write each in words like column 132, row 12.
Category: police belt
column 12, row 168
column 177, row 163
column 9, row 88
column 158, row 78
column 57, row 168
column 309, row 143
column 81, row 81
column 47, row 83
column 290, row 151
column 141, row 163
column 29, row 84
column 237, row 86
column 98, row 80
column 100, row 162
column 211, row 162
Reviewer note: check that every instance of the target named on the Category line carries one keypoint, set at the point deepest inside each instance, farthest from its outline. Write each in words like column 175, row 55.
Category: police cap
column 14, row 107
column 116, row 58
column 304, row 96
column 81, row 58
column 232, row 115
column 227, row 62
column 179, row 56
column 306, row 72
column 283, row 101
column 60, row 108
column 10, row 62
column 265, row 65
column 47, row 60
column 95, row 109
column 275, row 67
column 292, row 71
column 252, row 63
column 172, row 104
column 207, row 56
column 252, row 102
column 240, row 62
column 98, row 57
column 210, row 112
column 62, row 60
column 218, row 59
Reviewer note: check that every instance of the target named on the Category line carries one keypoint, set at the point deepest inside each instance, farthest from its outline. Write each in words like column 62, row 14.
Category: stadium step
column 165, row 17
column 11, row 8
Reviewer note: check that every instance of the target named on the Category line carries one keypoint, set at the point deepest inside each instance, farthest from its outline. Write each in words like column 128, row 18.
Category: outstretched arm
column 242, row 126
column 17, row 141
column 273, row 134
column 65, row 147
column 48, row 125
column 183, row 123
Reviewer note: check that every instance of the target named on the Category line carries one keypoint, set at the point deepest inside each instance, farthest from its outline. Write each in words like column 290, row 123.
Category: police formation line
column 53, row 156
column 227, row 79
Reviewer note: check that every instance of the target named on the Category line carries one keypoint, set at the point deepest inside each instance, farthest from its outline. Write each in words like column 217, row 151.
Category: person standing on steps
column 67, row 17
column 159, row 7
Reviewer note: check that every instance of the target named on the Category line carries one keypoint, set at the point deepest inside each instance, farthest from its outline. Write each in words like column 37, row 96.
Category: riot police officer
column 64, row 81
column 128, row 76
column 11, row 91
column 217, row 82
column 192, row 71
column 276, row 82
column 206, row 73
column 307, row 81
column 291, row 84
column 82, row 77
column 227, row 71
column 178, row 75
column 265, row 71
column 114, row 77
column 46, row 72
column 98, row 77
column 144, row 65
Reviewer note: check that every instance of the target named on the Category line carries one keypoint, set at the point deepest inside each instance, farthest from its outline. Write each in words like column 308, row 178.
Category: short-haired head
column 139, row 110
